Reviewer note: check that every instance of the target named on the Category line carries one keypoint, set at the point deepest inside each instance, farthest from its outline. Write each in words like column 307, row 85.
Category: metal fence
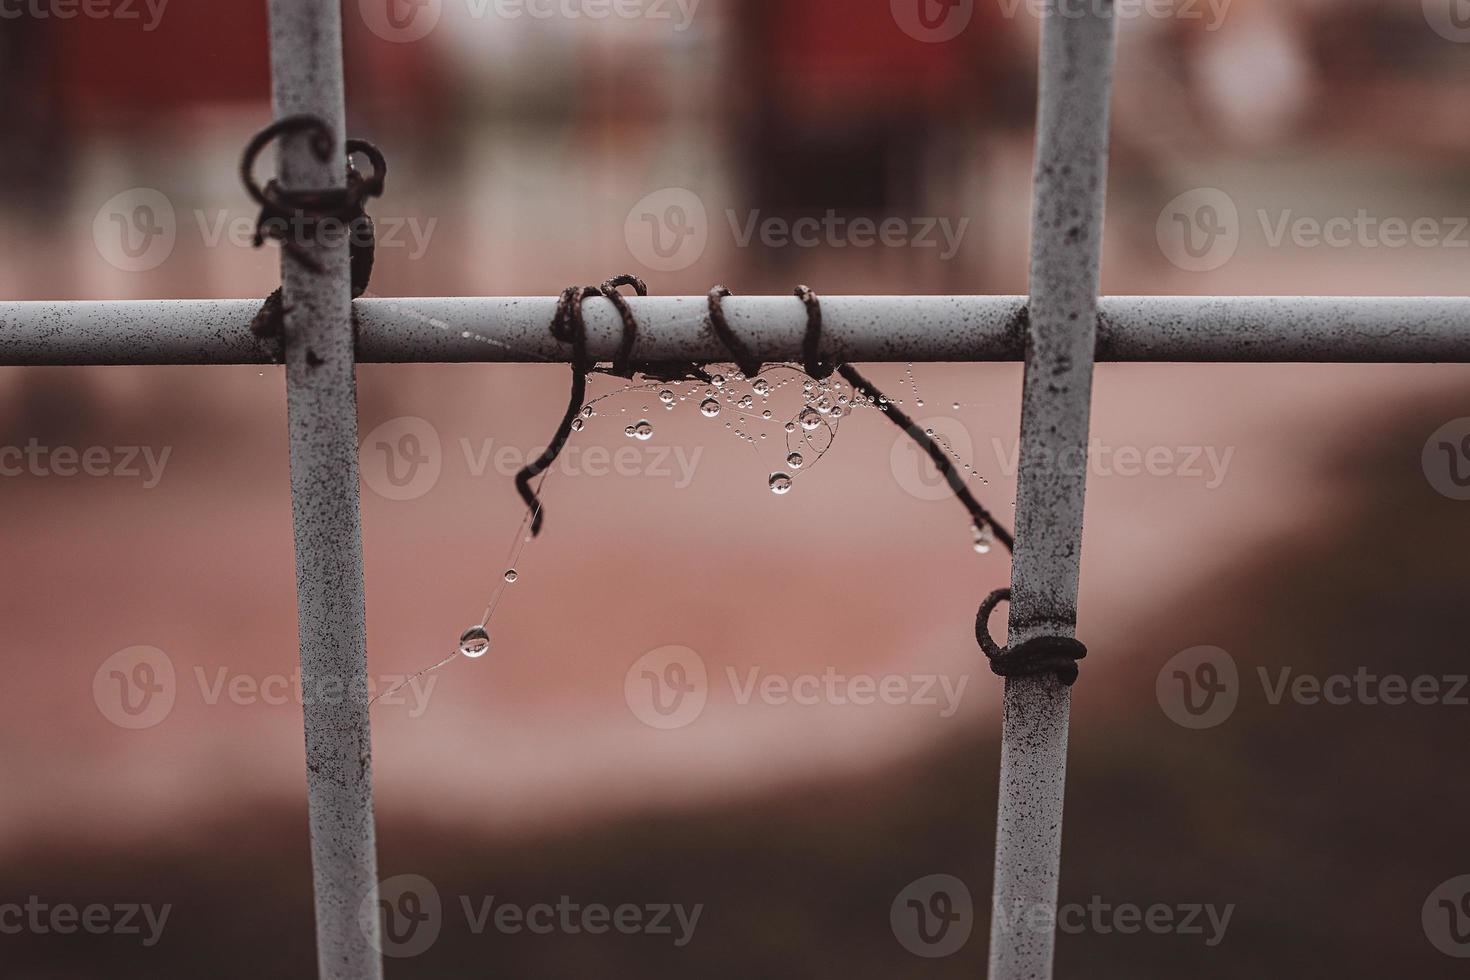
column 1060, row 330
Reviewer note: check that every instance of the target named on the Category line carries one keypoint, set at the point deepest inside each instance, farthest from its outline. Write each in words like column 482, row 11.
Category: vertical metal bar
column 306, row 68
column 1071, row 175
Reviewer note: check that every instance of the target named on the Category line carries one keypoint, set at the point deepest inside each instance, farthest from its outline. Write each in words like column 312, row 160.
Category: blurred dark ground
column 527, row 778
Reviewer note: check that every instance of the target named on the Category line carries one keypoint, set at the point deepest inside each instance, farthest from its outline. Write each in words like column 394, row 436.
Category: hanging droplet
column 587, row 412
column 577, row 425
column 511, row 574
column 709, row 408
column 474, row 642
column 795, row 461
column 761, row 387
column 643, row 430
column 809, row 418
column 984, row 539
column 956, row 406
column 780, row 483
column 666, row 396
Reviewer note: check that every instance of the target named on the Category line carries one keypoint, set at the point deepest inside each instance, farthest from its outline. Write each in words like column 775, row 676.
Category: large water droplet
column 709, row 408
column 587, row 412
column 474, row 642
column 809, row 418
column 761, row 386
column 780, row 483
column 795, row 461
column 718, row 381
column 643, row 430
column 666, row 396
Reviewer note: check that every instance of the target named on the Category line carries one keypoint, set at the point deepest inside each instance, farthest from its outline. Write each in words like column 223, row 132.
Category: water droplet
column 790, row 426
column 956, row 406
column 587, row 412
column 780, row 483
column 474, row 642
column 766, row 414
column 643, row 430
column 837, row 413
column 666, row 396
column 984, row 539
column 718, row 381
column 709, row 408
column 794, row 461
column 577, row 425
column 761, row 387
column 629, row 432
column 809, row 418
column 511, row 574
column 824, row 404
column 918, row 403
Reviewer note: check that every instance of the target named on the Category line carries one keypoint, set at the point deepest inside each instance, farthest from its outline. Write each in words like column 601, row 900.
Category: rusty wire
column 282, row 209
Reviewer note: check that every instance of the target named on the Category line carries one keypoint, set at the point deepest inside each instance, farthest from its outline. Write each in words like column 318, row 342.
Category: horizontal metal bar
column 857, row 328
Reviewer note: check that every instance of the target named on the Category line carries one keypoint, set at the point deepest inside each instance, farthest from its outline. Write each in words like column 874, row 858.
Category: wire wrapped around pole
column 569, row 326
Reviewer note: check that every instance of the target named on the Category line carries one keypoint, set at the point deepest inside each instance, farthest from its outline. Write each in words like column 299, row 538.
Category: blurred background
column 1299, row 521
